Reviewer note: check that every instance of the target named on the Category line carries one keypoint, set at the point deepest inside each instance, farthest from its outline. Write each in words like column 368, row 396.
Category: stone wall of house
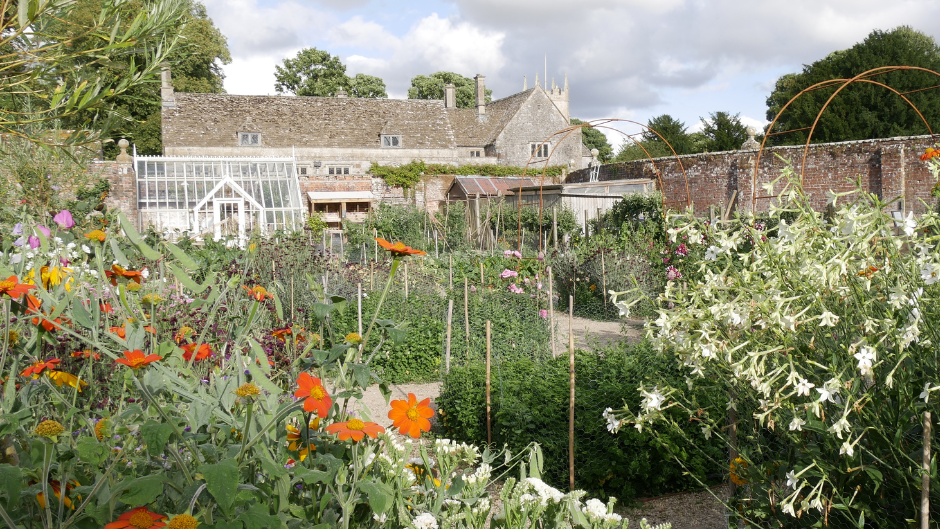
column 889, row 168
column 536, row 121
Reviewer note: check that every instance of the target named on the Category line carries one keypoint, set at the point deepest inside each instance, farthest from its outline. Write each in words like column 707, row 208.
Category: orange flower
column 202, row 353
column 121, row 331
column 57, row 490
column 95, row 235
column 118, row 271
column 281, row 334
column 87, row 353
column 410, row 416
column 398, row 249
column 32, row 304
column 355, row 429
column 106, row 308
column 183, row 333
column 929, row 153
column 136, row 359
column 258, row 292
column 39, row 366
column 49, row 325
column 13, row 288
column 139, row 518
column 312, row 389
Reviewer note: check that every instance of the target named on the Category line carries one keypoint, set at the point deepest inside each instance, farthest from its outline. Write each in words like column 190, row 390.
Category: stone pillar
column 450, row 96
column 168, row 98
column 481, row 95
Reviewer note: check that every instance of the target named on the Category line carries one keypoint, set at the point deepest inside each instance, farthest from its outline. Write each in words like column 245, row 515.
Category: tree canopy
column 862, row 110
column 595, row 139
column 651, row 145
column 432, row 87
column 317, row 73
column 723, row 131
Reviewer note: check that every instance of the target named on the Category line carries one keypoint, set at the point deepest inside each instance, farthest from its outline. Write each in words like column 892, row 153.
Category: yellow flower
column 95, row 235
column 101, row 429
column 49, row 429
column 353, row 338
column 151, row 299
column 182, row 521
column 736, row 471
column 61, row 378
column 133, row 287
column 13, row 336
column 247, row 390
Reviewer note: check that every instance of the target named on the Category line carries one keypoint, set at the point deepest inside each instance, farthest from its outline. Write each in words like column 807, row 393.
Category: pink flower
column 508, row 273
column 512, row 253
column 45, row 231
column 673, row 273
column 473, row 289
column 543, row 314
column 682, row 250
column 515, row 290
column 33, row 242
column 64, row 219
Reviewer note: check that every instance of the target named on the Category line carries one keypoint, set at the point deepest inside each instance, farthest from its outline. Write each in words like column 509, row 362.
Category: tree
column 312, row 73
column 595, row 139
column 432, row 87
column 363, row 85
column 723, row 132
column 862, row 110
column 48, row 54
column 670, row 129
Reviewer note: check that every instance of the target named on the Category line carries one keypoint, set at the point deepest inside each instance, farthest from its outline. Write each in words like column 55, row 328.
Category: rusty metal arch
column 863, row 77
column 599, row 123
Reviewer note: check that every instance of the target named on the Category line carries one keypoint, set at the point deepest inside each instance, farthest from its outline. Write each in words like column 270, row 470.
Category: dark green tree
column 862, row 110
column 595, row 139
column 670, row 130
column 432, row 87
column 723, row 132
column 363, row 85
column 312, row 72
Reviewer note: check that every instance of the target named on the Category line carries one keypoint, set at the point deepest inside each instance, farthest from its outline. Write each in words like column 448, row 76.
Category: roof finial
column 525, row 83
column 537, row 79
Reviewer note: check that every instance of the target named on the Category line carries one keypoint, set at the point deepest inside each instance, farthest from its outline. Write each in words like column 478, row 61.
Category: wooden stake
column 291, row 299
column 359, row 306
column 437, row 252
column 371, row 276
column 555, row 225
column 571, row 397
column 925, row 476
column 466, row 313
column 551, row 310
column 450, row 318
column 481, row 276
column 406, row 279
column 450, row 272
column 375, row 244
column 604, row 282
column 586, row 231
column 489, row 432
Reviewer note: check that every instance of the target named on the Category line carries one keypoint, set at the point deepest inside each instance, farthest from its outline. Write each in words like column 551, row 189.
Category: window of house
column 390, row 141
column 540, row 150
column 303, row 170
column 249, row 139
column 476, row 154
column 338, row 170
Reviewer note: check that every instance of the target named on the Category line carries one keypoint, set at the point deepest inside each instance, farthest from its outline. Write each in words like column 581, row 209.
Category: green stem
column 277, row 418
column 375, row 315
column 46, row 463
column 172, row 424
column 6, row 517
column 241, row 453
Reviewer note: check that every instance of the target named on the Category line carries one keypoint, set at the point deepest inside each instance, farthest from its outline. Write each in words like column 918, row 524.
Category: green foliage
column 315, row 72
column 595, row 139
column 393, row 222
column 654, row 145
column 42, row 176
column 316, row 225
column 432, row 87
column 638, row 209
column 407, row 175
column 530, row 401
column 861, row 110
column 723, row 132
column 507, row 221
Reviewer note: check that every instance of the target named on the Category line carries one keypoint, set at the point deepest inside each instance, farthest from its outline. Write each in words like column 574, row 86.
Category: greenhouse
column 217, row 197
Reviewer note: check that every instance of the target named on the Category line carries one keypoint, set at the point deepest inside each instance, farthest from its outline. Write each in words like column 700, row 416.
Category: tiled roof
column 214, row 119
column 492, row 186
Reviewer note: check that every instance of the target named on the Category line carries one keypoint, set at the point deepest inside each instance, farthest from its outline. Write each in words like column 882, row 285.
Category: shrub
column 530, row 400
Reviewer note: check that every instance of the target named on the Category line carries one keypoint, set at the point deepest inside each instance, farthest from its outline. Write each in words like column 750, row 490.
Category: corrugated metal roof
column 492, row 186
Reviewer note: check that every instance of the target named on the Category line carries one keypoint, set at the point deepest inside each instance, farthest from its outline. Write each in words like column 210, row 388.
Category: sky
column 625, row 59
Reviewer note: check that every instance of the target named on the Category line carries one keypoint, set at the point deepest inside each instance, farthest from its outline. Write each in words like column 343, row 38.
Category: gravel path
column 686, row 510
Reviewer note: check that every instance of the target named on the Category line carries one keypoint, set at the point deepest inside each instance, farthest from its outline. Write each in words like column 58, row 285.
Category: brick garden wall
column 889, row 168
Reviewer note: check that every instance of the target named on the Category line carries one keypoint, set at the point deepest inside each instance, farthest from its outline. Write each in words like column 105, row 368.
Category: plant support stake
column 551, row 311
column 489, row 432
column 466, row 313
column 450, row 319
column 925, row 477
column 571, row 387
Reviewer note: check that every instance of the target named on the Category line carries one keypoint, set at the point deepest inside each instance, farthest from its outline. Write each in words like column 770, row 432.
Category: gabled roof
column 491, row 186
column 213, row 120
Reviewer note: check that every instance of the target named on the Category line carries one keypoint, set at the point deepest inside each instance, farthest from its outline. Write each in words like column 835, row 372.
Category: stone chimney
column 450, row 95
column 341, row 93
column 481, row 95
column 168, row 98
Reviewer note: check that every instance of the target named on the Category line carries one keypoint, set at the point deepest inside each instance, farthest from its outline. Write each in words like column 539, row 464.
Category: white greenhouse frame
column 218, row 196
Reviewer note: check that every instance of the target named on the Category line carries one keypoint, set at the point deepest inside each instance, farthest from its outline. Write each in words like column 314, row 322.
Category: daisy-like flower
column 184, row 333
column 736, row 471
column 95, row 235
column 136, row 359
column 803, row 387
column 247, row 390
column 183, row 521
column 410, row 416
column 929, row 153
column 62, row 378
column 353, row 338
column 118, row 271
column 101, row 429
column 204, row 351
column 354, row 429
column 49, row 429
column 258, row 292
column 86, row 353
column 57, row 491
column 12, row 287
column 139, row 518
column 317, row 399
column 39, row 366
column 398, row 249
column 294, row 437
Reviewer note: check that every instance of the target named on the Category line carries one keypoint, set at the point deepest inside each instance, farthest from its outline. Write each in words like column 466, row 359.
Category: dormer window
column 390, row 141
column 249, row 139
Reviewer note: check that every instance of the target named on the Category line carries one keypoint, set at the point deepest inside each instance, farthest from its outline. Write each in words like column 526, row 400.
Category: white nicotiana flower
column 792, row 480
column 613, row 423
column 707, row 431
column 826, row 394
column 828, row 319
column 926, row 393
column 380, row 519
column 652, row 401
column 708, row 351
column 930, row 273
column 910, row 225
column 712, row 253
column 624, row 309
column 866, row 359
column 788, row 509
column 86, row 249
column 803, row 387
column 842, row 425
column 847, row 448
column 797, row 424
